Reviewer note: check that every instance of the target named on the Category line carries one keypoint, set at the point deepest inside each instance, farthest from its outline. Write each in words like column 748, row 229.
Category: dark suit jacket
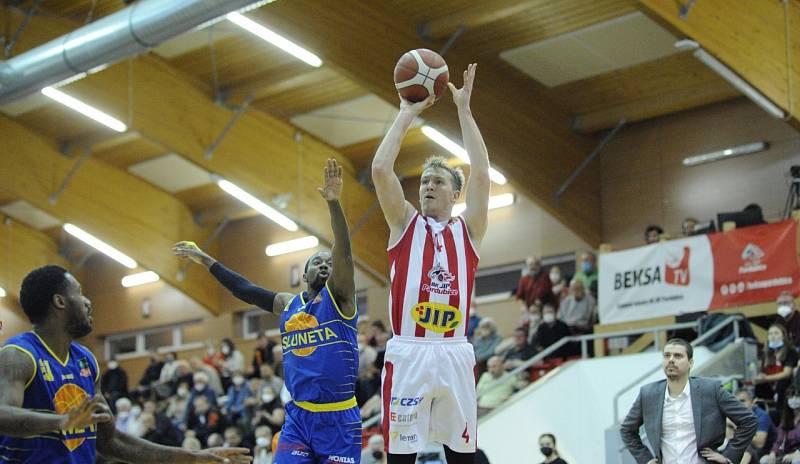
column 711, row 404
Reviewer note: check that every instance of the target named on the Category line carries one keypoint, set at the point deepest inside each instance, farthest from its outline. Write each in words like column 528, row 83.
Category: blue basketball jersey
column 320, row 352
column 55, row 387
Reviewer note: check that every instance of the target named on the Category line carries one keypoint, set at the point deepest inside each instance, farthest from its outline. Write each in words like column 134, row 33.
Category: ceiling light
column 729, row 75
column 258, row 205
column 732, row 152
column 275, row 39
column 290, row 246
column 100, row 246
column 459, row 152
column 86, row 110
column 2, row 292
column 495, row 201
column 139, row 279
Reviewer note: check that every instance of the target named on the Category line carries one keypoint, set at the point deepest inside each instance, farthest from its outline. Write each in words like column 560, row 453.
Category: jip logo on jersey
column 438, row 317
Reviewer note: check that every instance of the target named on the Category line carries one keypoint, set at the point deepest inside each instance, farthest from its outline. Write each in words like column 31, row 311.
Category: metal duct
column 125, row 33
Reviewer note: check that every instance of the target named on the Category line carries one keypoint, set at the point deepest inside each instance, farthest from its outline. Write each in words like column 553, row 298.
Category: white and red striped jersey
column 432, row 268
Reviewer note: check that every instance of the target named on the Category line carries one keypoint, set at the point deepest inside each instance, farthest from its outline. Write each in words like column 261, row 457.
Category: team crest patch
column 83, row 363
column 441, row 281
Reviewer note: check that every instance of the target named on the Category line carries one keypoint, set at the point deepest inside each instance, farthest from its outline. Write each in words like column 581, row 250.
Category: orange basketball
column 420, row 73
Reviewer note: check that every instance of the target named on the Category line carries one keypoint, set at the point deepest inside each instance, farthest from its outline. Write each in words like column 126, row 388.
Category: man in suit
column 685, row 417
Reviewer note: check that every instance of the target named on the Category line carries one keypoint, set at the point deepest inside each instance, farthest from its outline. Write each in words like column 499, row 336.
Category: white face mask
column 113, row 365
column 123, row 414
column 225, row 349
column 210, row 351
column 555, row 277
column 262, row 441
column 784, row 311
column 136, row 410
column 267, row 397
column 549, row 318
column 238, row 381
column 794, row 402
column 199, row 386
column 535, row 318
column 182, row 392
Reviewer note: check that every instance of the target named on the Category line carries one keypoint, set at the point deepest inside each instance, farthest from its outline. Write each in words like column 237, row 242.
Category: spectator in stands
column 269, row 378
column 114, row 382
column 377, row 327
column 124, row 421
column 373, row 453
column 205, row 420
column 534, row 287
column 492, row 388
column 533, row 321
column 212, row 374
column 652, row 234
column 191, row 443
column 171, row 363
column 547, row 445
column 560, row 288
column 777, row 366
column 520, row 352
column 578, row 309
column 755, row 210
column 232, row 362
column 688, row 225
column 178, row 404
column 486, row 340
column 262, row 354
column 277, row 353
column 234, row 438
column 202, row 388
column 474, row 320
column 789, row 316
column 262, row 452
column 153, row 370
column 765, row 433
column 787, row 445
column 587, row 273
column 550, row 331
column 366, row 353
column 269, row 411
column 238, row 392
column 157, row 428
column 215, row 440
column 749, row 456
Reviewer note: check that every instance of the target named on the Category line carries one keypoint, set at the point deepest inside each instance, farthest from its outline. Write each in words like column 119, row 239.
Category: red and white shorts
column 429, row 395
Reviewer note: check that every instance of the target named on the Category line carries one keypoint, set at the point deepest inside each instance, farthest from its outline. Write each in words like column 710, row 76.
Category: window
column 170, row 338
column 258, row 321
column 362, row 303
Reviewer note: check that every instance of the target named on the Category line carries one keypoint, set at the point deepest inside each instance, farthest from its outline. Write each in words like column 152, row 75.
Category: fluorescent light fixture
column 495, row 201
column 258, row 205
column 100, row 246
column 729, row 75
column 275, row 39
column 290, row 246
column 731, row 152
column 86, row 110
column 459, row 152
column 141, row 278
column 2, row 292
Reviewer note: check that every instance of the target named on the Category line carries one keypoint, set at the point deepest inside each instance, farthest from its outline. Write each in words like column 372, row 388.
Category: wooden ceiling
column 527, row 125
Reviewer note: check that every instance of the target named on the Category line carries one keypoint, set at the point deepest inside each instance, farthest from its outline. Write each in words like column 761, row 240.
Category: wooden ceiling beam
column 24, row 249
column 476, row 15
column 119, row 208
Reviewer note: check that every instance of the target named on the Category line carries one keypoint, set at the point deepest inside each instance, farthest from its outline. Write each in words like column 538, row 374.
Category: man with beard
column 318, row 336
column 49, row 411
column 685, row 417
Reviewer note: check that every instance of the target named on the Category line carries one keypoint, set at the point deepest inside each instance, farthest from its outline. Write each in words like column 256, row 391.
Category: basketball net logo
column 426, row 76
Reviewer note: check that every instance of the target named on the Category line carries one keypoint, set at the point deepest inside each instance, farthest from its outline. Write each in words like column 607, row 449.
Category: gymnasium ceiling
column 553, row 77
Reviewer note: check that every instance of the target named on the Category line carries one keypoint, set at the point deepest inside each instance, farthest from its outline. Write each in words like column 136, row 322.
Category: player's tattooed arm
column 341, row 281
column 17, row 369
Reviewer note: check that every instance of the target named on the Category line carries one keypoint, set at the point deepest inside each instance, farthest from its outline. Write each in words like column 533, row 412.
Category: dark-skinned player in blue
column 320, row 348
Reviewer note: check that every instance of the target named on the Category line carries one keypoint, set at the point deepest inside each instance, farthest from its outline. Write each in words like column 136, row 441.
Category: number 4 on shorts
column 465, row 435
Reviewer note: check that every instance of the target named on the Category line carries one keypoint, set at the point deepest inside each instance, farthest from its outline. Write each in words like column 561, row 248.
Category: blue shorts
column 319, row 437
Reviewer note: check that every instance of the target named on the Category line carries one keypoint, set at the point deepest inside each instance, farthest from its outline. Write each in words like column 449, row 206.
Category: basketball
column 420, row 73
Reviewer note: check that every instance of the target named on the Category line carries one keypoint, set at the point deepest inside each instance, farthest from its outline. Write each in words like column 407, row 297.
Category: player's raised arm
column 477, row 195
column 393, row 202
column 17, row 370
column 341, row 281
column 238, row 285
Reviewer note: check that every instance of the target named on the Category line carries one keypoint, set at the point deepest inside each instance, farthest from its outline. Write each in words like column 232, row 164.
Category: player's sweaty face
column 319, row 269
column 436, row 192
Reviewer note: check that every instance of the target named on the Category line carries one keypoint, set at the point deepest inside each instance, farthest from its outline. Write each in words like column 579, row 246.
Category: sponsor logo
column 438, row 317
column 674, row 273
column 302, row 334
column 67, row 377
column 44, row 367
column 410, row 401
column 83, row 363
column 441, row 281
column 403, row 418
column 752, row 256
column 343, row 459
column 304, row 454
column 397, row 436
column 68, row 397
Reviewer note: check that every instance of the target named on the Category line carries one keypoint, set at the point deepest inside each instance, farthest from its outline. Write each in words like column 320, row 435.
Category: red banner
column 755, row 264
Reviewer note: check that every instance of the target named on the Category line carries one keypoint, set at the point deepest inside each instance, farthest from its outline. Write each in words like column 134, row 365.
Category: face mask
column 199, row 386
column 784, row 311
column 267, row 397
column 262, row 441
column 546, row 450
column 535, row 318
column 776, row 345
column 555, row 277
column 123, row 414
column 586, row 266
column 210, row 351
column 549, row 318
column 182, row 392
column 794, row 402
column 238, row 381
column 113, row 365
column 135, row 411
column 225, row 350
column 377, row 455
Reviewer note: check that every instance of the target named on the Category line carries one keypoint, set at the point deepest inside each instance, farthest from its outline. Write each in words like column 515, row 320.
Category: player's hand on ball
column 331, row 189
column 418, row 107
column 461, row 96
column 226, row 455
column 91, row 411
column 188, row 249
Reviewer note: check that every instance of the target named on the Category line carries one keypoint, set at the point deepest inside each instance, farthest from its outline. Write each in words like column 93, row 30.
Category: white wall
column 575, row 403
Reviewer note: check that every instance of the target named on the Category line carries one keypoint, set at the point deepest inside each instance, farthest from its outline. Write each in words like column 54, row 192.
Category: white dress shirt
column 678, row 440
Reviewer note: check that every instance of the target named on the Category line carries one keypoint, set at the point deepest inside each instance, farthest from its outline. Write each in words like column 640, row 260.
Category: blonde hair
column 437, row 161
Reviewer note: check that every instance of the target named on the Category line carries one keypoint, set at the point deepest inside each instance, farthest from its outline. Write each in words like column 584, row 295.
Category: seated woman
column 787, row 445
column 777, row 366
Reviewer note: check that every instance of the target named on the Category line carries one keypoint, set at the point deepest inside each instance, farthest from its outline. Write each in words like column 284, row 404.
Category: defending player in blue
column 50, row 407
column 318, row 335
